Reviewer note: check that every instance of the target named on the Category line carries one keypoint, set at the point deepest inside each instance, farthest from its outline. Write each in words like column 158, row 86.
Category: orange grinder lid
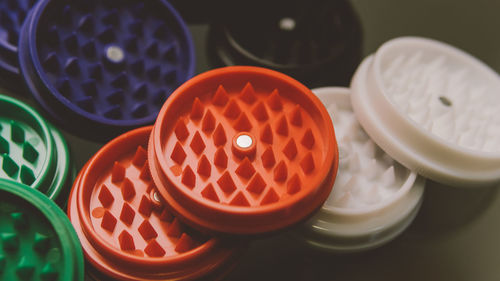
column 125, row 230
column 243, row 150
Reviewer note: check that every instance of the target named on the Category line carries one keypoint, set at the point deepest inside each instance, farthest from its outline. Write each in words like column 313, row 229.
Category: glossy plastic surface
column 37, row 240
column 243, row 150
column 125, row 229
column 32, row 151
column 106, row 66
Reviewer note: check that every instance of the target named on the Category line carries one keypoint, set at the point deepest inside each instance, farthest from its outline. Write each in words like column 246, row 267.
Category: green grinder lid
column 32, row 151
column 37, row 240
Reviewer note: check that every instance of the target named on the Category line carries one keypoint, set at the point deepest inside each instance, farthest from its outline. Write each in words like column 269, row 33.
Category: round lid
column 372, row 193
column 313, row 41
column 106, row 66
column 125, row 229
column 433, row 108
column 32, row 151
column 243, row 150
column 37, row 240
column 12, row 14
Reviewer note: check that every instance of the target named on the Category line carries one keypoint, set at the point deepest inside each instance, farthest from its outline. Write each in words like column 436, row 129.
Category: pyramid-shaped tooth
column 89, row 87
column 147, row 231
column 154, row 72
column 243, row 124
column 139, row 110
column 49, row 272
column 178, row 154
column 197, row 144
column 274, row 101
column 232, row 110
column 170, row 53
column 220, row 158
column 181, row 131
column 351, row 184
column 25, row 269
column 204, row 167
column 219, row 136
column 127, row 189
column 388, row 178
column 51, row 62
column 72, row 66
column 118, row 172
column 4, row 146
column 166, row 216
column 267, row 135
column 64, row 87
column 296, row 116
column 53, row 36
column 86, row 103
column 240, row 200
column 170, row 77
column 29, row 152
column 113, row 112
column 294, row 185
column 152, row 50
column 107, row 35
column 9, row 166
column 121, row 81
column 131, row 45
column 160, row 32
column 280, row 172
column 126, row 241
column 370, row 169
column 10, row 241
column 369, row 149
column 86, row 24
column 354, row 162
column 16, row 132
column 220, row 97
column 247, row 95
column 260, row 112
column 188, row 177
column 108, row 221
column 138, row 67
column 66, row 15
column 127, row 214
column 71, row 42
column 41, row 243
column 153, row 249
column 226, row 183
column 208, row 123
column 245, row 169
column 210, row 193
column 197, row 109
column 270, row 197
column 26, row 175
column 174, row 229
column 95, row 71
column 105, row 196
column 146, row 206
column 307, row 163
column 290, row 149
column 257, row 184
column 373, row 195
column 159, row 96
column 343, row 200
column 184, row 244
column 111, row 16
column 444, row 125
column 282, row 126
column 268, row 159
column 136, row 27
column 308, row 139
column 89, row 49
column 140, row 157
column 20, row 220
column 140, row 91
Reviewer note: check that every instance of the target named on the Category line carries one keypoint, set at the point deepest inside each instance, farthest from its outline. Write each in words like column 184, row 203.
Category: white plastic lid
column 432, row 107
column 373, row 199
